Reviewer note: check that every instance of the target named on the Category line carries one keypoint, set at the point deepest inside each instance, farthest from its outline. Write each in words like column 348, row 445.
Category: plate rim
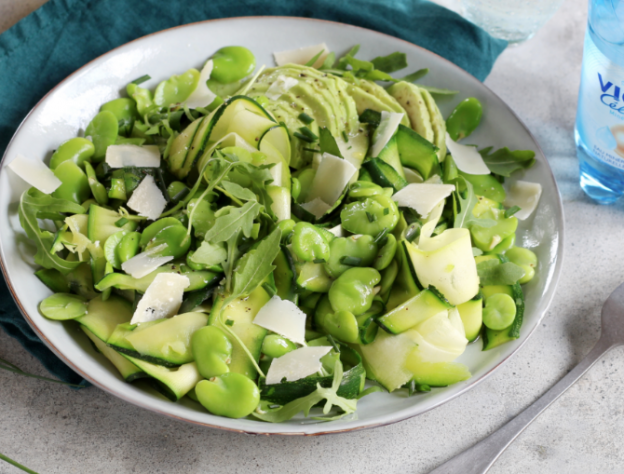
column 543, row 307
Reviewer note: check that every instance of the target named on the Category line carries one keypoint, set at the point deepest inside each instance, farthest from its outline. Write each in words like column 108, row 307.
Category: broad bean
column 309, row 244
column 231, row 394
column 353, row 291
column 362, row 248
column 464, row 119
column 77, row 150
column 499, row 312
column 63, row 306
column 103, row 130
column 370, row 216
column 212, row 351
column 526, row 259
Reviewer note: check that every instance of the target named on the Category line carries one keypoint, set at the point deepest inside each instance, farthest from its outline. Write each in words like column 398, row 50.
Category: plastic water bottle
column 599, row 131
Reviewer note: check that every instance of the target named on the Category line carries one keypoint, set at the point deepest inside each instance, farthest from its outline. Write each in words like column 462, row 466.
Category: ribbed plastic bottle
column 599, row 130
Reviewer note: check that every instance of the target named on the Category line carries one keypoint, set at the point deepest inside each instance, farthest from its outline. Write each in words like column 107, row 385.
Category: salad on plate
column 283, row 241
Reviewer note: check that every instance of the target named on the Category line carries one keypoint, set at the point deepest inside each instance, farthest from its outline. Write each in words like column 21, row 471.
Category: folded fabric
column 60, row 37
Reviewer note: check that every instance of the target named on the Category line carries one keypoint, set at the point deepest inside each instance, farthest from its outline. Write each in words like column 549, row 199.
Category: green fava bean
column 176, row 239
column 353, row 290
column 343, row 326
column 125, row 110
column 526, row 259
column 75, row 184
column 506, row 244
column 364, row 189
column 295, row 188
column 370, row 216
column 232, row 395
column 77, row 150
column 155, row 227
column 464, row 119
column 486, row 185
column 63, row 306
column 361, row 247
column 487, row 238
column 386, row 253
column 499, row 312
column 103, row 130
column 308, row 243
column 276, row 346
column 97, row 189
column 110, row 248
column 176, row 89
column 128, row 247
column 142, row 97
column 305, row 177
column 232, row 63
column 287, row 226
column 212, row 351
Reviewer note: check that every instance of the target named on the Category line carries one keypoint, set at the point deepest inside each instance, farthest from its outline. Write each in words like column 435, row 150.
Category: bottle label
column 600, row 116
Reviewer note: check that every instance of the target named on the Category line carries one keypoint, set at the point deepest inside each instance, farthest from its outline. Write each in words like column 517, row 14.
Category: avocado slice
column 438, row 124
column 380, row 93
column 411, row 99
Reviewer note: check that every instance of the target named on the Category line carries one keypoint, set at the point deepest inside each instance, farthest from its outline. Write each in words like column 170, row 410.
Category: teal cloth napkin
column 60, row 37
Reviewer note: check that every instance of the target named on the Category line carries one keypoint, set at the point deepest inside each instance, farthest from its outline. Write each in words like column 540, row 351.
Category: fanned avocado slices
column 423, row 112
column 411, row 99
column 437, row 124
column 369, row 95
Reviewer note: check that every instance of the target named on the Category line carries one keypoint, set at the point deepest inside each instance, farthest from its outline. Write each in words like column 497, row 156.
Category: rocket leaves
column 504, row 162
column 33, row 205
column 463, row 215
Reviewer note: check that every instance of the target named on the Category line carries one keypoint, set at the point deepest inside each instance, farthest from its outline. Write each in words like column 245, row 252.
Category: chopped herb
column 371, row 217
column 413, row 77
column 328, row 144
column 270, row 289
column 311, row 62
column 333, row 342
column 435, row 90
column 391, row 63
column 302, row 137
column 319, row 260
column 386, row 211
column 345, row 137
column 351, row 261
column 381, row 235
column 313, row 150
column 511, row 211
column 229, row 322
column 305, row 118
column 308, row 133
column 121, row 222
column 142, row 79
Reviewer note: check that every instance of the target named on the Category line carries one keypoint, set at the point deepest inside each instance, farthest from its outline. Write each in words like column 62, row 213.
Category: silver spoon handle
column 479, row 458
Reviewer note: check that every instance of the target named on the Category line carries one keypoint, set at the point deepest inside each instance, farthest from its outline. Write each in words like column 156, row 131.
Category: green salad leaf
column 256, row 265
column 209, row 254
column 463, row 215
column 492, row 272
column 504, row 162
column 35, row 204
column 305, row 404
column 237, row 219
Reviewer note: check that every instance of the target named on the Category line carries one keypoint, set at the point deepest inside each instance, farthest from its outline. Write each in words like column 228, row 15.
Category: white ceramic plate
column 69, row 107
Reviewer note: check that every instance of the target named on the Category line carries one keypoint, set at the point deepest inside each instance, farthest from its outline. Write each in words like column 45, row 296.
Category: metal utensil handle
column 479, row 458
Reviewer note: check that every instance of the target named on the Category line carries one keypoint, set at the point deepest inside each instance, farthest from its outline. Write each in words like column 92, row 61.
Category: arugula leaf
column 464, row 216
column 311, row 62
column 376, row 75
column 329, row 61
column 492, row 272
column 390, row 63
column 34, row 204
column 256, row 265
column 238, row 219
column 343, row 61
column 209, row 254
column 305, row 404
column 504, row 161
column 327, row 143
column 438, row 91
column 237, row 191
column 413, row 77
column 201, row 216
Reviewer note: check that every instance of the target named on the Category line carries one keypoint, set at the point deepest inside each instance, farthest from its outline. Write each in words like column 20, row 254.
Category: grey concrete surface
column 52, row 429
